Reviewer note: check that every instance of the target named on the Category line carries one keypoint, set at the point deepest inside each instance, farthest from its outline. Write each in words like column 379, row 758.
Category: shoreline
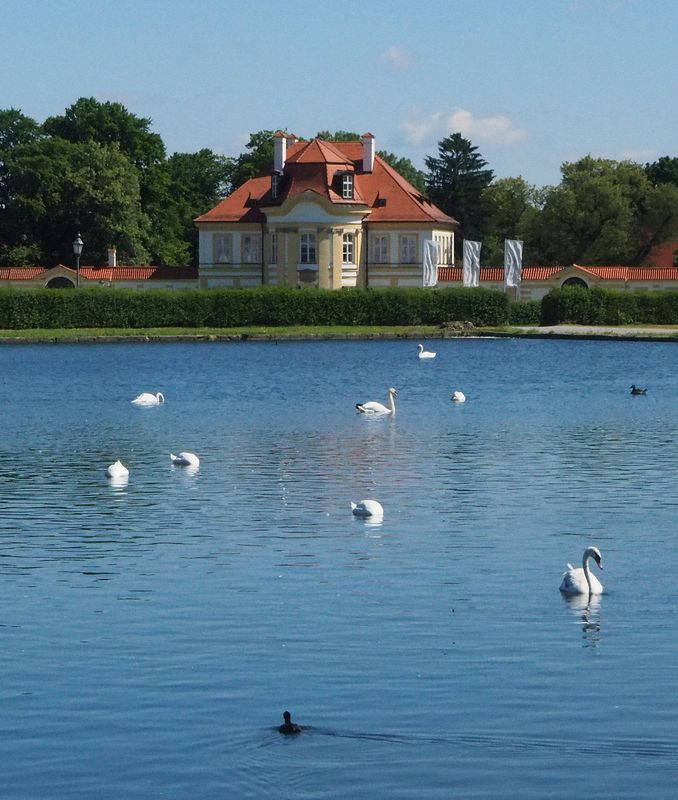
column 574, row 332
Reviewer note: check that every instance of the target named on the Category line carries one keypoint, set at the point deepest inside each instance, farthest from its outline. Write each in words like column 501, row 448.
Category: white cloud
column 498, row 130
column 397, row 57
column 423, row 129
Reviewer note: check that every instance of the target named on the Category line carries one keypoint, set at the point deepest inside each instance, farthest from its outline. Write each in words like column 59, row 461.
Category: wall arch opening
column 576, row 282
column 60, row 282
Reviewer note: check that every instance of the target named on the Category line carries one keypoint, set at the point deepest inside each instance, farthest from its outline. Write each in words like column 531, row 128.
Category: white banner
column 471, row 271
column 513, row 262
column 430, row 268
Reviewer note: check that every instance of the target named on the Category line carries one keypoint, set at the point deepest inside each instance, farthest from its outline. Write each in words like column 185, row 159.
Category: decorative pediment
column 60, row 271
column 312, row 208
column 575, row 273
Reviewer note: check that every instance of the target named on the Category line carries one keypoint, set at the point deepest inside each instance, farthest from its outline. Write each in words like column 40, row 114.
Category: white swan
column 148, row 399
column 425, row 353
column 117, row 470
column 372, row 407
column 367, row 508
column 185, row 460
column 459, row 397
column 579, row 580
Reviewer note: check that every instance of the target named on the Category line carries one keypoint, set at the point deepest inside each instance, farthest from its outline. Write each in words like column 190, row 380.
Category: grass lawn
column 301, row 331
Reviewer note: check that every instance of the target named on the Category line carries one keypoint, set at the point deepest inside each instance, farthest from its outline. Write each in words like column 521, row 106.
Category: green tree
column 656, row 221
column 16, row 128
column 604, row 212
column 338, row 136
column 456, row 180
column 88, row 120
column 664, row 170
column 57, row 188
column 512, row 207
column 189, row 185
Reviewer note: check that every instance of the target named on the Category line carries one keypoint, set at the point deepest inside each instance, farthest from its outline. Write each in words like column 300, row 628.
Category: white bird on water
column 579, row 580
column 368, row 508
column 425, row 353
column 459, row 397
column 148, row 399
column 117, row 470
column 373, row 407
column 185, row 459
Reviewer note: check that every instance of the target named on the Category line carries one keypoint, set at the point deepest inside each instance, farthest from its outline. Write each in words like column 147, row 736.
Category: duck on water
column 289, row 728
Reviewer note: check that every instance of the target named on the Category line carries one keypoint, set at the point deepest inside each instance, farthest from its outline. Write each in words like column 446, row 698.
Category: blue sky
column 532, row 83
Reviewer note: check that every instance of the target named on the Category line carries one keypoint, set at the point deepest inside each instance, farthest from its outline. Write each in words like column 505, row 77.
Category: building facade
column 329, row 215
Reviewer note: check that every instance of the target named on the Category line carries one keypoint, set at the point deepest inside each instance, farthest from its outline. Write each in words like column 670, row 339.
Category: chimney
column 368, row 151
column 112, row 257
column 279, row 151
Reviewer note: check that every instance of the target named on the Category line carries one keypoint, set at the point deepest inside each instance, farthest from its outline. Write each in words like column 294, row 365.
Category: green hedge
column 226, row 308
column 578, row 305
column 525, row 312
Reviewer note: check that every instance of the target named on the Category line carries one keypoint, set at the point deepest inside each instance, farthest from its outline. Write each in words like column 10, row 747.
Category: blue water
column 151, row 635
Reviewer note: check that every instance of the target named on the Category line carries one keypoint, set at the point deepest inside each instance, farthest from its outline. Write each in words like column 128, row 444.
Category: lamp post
column 77, row 249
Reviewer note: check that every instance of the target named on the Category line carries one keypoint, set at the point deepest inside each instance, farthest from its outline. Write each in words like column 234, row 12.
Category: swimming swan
column 148, row 399
column 425, row 353
column 579, row 580
column 185, row 460
column 637, row 390
column 459, row 397
column 372, row 407
column 367, row 508
column 117, row 470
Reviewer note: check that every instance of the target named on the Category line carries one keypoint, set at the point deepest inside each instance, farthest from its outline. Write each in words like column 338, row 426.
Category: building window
column 274, row 249
column 347, row 248
column 307, row 248
column 347, row 186
column 250, row 249
column 408, row 248
column 444, row 242
column 275, row 183
column 223, row 248
column 380, row 249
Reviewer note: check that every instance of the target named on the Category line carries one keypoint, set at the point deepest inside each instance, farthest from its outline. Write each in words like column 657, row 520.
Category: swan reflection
column 586, row 609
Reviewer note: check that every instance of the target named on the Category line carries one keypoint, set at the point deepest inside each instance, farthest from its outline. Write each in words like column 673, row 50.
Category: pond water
column 151, row 635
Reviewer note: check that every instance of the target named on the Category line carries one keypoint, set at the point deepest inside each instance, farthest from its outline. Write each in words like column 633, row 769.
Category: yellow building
column 327, row 214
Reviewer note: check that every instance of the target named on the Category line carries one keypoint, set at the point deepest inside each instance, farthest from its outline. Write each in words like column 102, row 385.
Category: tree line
column 100, row 170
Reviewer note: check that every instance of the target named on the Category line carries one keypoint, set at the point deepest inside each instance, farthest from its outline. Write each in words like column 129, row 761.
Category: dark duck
column 288, row 727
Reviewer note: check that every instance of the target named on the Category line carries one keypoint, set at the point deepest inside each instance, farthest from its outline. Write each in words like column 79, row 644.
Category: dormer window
column 347, row 186
column 275, row 182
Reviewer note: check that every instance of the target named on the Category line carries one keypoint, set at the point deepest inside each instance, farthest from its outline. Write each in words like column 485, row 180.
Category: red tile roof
column 313, row 167
column 135, row 273
column 614, row 273
column 107, row 274
column 20, row 273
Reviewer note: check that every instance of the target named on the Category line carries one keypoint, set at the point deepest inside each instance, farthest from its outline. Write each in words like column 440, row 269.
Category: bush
column 525, row 312
column 225, row 308
column 575, row 304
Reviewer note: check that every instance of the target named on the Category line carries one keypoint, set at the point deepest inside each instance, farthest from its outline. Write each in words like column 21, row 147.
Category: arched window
column 576, row 282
